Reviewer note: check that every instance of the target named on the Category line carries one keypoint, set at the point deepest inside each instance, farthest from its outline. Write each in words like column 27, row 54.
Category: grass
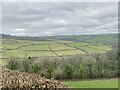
column 3, row 62
column 14, row 53
column 33, row 48
column 13, row 46
column 101, row 47
column 113, row 83
column 38, row 42
column 63, row 41
column 20, row 53
column 36, row 47
column 70, row 52
column 78, row 44
column 60, row 47
column 8, row 41
column 91, row 49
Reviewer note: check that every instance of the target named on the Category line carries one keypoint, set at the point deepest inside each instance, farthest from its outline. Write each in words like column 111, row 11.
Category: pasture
column 112, row 83
column 20, row 48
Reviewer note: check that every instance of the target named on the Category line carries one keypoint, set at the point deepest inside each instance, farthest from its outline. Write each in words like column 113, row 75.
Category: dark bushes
column 13, row 64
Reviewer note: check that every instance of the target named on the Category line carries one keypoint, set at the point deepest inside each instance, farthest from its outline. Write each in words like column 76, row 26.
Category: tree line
column 88, row 66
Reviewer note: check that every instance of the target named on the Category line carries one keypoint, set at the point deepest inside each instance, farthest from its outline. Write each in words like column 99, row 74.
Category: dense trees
column 87, row 66
column 68, row 71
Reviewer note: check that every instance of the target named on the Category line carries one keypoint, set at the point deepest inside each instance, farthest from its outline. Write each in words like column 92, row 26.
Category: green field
column 18, row 47
column 93, row 84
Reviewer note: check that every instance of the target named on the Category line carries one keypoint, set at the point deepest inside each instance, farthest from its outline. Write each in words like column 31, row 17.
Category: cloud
column 58, row 18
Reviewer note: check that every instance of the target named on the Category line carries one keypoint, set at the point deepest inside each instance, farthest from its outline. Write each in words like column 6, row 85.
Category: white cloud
column 20, row 29
column 59, row 18
column 60, row 0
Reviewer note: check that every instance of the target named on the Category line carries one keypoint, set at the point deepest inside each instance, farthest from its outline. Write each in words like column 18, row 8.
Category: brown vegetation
column 17, row 79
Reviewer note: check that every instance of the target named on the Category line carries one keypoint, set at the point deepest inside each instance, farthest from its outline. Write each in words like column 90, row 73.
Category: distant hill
column 107, row 39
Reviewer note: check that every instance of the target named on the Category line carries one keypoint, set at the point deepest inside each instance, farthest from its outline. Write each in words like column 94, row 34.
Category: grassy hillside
column 18, row 49
column 102, row 38
column 13, row 46
column 93, row 84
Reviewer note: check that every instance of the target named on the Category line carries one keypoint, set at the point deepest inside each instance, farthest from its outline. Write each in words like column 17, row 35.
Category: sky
column 59, row 18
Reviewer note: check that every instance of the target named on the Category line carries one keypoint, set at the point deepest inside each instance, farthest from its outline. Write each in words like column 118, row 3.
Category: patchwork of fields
column 60, row 46
column 20, row 48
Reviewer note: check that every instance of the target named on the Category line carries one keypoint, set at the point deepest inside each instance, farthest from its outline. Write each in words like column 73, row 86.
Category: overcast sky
column 57, row 18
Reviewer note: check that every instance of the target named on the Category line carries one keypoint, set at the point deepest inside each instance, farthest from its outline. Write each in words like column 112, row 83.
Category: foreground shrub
column 25, row 65
column 49, row 70
column 57, row 74
column 36, row 68
column 12, row 64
